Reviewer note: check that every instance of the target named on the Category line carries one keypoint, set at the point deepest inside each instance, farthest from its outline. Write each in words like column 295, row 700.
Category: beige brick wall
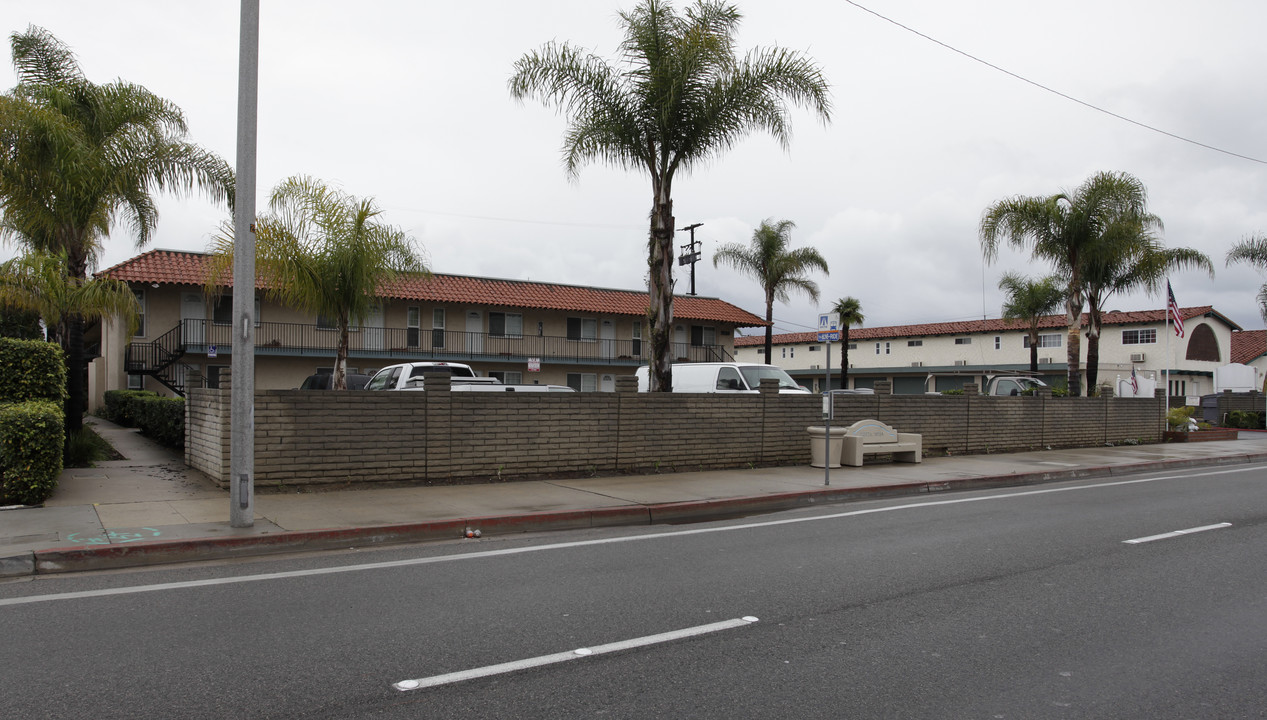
column 439, row 436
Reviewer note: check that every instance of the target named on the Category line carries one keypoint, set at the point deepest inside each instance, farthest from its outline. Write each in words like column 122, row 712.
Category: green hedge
column 32, row 436
column 1250, row 420
column 161, row 418
column 31, row 370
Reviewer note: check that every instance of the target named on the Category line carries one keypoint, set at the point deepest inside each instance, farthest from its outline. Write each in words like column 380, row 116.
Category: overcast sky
column 407, row 102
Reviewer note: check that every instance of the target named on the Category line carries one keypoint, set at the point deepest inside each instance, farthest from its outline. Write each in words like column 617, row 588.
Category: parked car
column 852, row 391
column 409, row 376
column 325, row 381
column 727, row 377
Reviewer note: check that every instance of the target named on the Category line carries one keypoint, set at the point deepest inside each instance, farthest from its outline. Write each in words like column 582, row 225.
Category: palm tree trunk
column 844, row 359
column 660, row 293
column 340, row 379
column 769, row 329
column 1073, row 316
column 1033, row 349
column 75, row 367
column 1093, row 349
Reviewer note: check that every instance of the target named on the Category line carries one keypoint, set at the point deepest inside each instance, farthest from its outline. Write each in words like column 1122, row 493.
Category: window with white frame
column 413, row 325
column 437, row 328
column 1139, row 337
column 853, row 346
column 501, row 324
column 1047, row 340
column 702, row 335
column 914, row 343
column 140, row 306
column 583, row 382
column 637, row 338
column 508, row 377
column 963, row 341
column 998, row 342
column 583, row 329
column 136, row 382
column 877, row 348
column 815, row 348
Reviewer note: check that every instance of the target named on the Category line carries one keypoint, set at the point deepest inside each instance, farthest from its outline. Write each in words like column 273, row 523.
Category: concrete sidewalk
column 150, row 508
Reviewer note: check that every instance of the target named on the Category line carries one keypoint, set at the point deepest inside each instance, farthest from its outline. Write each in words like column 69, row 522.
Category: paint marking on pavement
column 1048, row 462
column 1177, row 533
column 600, row 541
column 539, row 661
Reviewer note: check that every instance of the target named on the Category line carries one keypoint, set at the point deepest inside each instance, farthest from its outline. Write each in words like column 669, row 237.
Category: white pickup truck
column 408, row 376
column 994, row 384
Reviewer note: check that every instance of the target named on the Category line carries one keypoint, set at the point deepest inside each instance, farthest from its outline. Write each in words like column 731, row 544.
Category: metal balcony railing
column 197, row 336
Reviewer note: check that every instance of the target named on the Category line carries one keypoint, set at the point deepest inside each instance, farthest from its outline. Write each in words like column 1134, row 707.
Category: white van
column 724, row 377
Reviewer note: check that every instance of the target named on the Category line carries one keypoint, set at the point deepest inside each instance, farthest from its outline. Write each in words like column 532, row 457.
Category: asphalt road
column 1025, row 603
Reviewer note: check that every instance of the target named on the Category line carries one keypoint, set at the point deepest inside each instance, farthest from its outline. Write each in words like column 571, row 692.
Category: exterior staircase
column 160, row 360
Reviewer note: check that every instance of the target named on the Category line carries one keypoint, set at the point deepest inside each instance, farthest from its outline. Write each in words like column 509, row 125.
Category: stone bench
column 872, row 437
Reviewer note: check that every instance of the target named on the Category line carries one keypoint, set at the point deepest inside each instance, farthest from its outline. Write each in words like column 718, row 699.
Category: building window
column 914, row 343
column 136, row 382
column 1139, row 337
column 877, row 348
column 437, row 328
column 140, row 320
column 583, row 329
column 637, row 338
column 505, row 324
column 888, row 348
column 213, row 375
column 963, row 341
column 1203, row 345
column 815, row 348
column 998, row 342
column 1178, row 388
column 222, row 313
column 1044, row 341
column 413, row 322
column 702, row 335
column 583, row 382
column 785, row 353
column 508, row 377
column 853, row 346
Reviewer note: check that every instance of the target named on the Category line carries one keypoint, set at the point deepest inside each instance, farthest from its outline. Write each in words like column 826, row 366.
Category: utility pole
column 690, row 253
column 242, row 394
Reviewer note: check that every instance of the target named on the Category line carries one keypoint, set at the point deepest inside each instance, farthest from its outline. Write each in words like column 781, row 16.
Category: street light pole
column 690, row 253
column 242, row 374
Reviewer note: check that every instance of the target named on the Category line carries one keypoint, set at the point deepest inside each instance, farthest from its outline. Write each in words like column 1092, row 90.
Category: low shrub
column 32, row 435
column 1248, row 419
column 32, row 370
column 123, row 407
column 163, row 419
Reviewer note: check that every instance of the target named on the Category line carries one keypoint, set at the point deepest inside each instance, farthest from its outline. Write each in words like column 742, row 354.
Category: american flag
column 1134, row 383
column 1173, row 308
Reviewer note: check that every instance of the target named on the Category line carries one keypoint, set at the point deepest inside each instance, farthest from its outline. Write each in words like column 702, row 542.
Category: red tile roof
column 967, row 327
column 190, row 268
column 1248, row 346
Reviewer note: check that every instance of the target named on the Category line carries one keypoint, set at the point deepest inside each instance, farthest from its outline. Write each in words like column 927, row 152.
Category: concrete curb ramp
column 106, row 557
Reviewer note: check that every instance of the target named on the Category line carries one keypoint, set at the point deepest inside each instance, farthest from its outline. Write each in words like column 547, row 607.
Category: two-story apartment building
column 964, row 352
column 519, row 331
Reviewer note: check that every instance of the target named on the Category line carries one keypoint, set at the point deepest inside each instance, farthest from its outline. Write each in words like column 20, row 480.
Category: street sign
column 688, row 259
column 828, row 327
column 534, row 364
column 211, row 351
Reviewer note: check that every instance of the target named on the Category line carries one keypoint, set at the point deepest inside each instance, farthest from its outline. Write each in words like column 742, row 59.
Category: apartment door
column 607, row 339
column 193, row 318
column 474, row 332
column 607, row 383
column 372, row 330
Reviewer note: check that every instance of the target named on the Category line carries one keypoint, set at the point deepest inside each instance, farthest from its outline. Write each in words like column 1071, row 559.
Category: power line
column 1054, row 91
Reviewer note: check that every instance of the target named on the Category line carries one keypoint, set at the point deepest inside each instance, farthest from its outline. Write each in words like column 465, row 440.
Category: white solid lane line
column 456, row 677
column 1177, row 533
column 921, row 505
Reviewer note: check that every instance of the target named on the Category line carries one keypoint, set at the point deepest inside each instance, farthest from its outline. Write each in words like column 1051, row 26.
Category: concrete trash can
column 817, row 441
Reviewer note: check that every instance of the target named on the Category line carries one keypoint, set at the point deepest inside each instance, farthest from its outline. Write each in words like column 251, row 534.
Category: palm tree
column 1126, row 258
column 850, row 311
column 1029, row 301
column 678, row 99
column 322, row 251
column 40, row 284
column 767, row 259
column 1252, row 251
column 1061, row 229
column 75, row 158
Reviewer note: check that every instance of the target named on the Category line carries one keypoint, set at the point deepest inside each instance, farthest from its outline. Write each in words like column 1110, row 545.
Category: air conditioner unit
column 1045, row 361
column 815, row 367
column 1137, row 357
column 917, row 364
column 960, row 363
